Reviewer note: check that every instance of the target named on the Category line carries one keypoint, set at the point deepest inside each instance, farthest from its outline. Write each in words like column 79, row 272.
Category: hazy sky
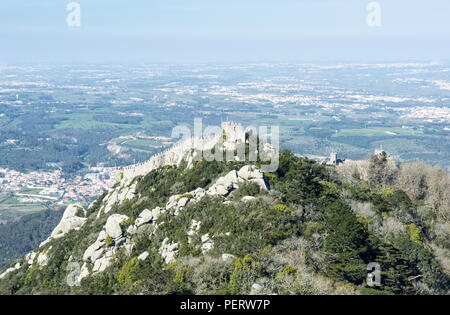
column 224, row 31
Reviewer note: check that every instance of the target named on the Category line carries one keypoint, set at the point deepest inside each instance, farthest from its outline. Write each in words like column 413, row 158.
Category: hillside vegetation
column 305, row 229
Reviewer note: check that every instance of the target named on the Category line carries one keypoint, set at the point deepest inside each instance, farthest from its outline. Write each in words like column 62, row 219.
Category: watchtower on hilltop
column 233, row 132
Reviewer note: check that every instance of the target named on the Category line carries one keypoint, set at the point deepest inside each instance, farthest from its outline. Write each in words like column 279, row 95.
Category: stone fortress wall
column 183, row 151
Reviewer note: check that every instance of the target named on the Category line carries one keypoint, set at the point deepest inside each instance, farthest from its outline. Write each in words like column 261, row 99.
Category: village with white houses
column 52, row 186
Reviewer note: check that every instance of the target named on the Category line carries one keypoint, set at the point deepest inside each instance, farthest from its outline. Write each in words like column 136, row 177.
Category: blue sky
column 224, row 31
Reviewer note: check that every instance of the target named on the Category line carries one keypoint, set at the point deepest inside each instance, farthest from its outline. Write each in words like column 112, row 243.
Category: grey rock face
column 101, row 264
column 248, row 198
column 157, row 212
column 94, row 251
column 198, row 193
column 42, row 259
column 145, row 217
column 132, row 229
column 84, row 272
column 207, row 243
column 30, row 258
column 195, row 227
column 102, row 237
column 119, row 194
column 72, row 210
column 67, row 225
column 9, row 270
column 226, row 257
column 145, row 222
column 183, row 202
column 143, row 256
column 69, row 222
column 168, row 251
column 98, row 253
column 256, row 289
column 112, row 226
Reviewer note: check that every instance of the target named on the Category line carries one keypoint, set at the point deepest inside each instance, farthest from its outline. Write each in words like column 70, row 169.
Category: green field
column 85, row 121
column 376, row 132
column 21, row 207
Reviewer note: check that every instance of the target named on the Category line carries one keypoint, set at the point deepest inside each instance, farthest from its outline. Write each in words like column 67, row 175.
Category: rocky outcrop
column 115, row 235
column 207, row 243
column 226, row 257
column 108, row 242
column 195, row 227
column 103, row 262
column 146, row 216
column 144, row 219
column 143, row 256
column 69, row 221
column 42, row 258
column 177, row 202
column 30, row 258
column 226, row 184
column 168, row 251
column 97, row 249
column 112, row 226
column 253, row 174
column 125, row 191
column 118, row 235
column 9, row 270
column 84, row 272
column 223, row 186
column 256, row 289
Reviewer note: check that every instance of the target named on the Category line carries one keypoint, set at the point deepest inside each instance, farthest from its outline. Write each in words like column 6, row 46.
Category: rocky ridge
column 118, row 232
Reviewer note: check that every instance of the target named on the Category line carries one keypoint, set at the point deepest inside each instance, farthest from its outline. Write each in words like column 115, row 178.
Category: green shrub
column 289, row 270
column 370, row 291
column 126, row 274
column 126, row 223
column 245, row 272
column 108, row 241
column 280, row 207
column 414, row 233
column 80, row 213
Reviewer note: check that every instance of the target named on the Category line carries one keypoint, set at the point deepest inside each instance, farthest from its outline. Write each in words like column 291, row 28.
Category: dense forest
column 22, row 236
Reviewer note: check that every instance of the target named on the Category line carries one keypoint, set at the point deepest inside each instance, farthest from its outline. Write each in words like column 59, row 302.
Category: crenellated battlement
column 182, row 151
column 233, row 132
column 231, row 136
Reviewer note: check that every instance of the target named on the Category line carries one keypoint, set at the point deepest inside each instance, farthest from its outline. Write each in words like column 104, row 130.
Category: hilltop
column 179, row 224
